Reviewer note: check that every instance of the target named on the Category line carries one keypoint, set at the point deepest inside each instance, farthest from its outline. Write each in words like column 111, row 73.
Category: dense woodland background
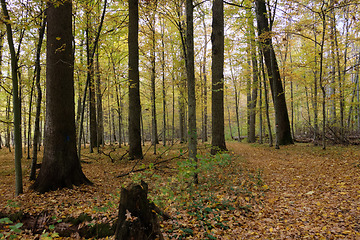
column 307, row 36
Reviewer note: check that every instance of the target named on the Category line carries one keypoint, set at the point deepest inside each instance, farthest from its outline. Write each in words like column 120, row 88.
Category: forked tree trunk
column 283, row 131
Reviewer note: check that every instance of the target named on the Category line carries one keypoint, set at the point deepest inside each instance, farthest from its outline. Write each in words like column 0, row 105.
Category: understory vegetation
column 251, row 191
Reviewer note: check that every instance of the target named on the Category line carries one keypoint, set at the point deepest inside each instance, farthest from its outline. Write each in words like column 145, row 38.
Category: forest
column 222, row 119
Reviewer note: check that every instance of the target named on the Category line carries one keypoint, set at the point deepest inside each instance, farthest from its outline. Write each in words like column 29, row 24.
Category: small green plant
column 48, row 236
column 13, row 204
column 14, row 229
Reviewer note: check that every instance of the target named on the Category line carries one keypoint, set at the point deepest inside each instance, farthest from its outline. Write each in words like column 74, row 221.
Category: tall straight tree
column 16, row 102
column 217, row 67
column 135, row 149
column 91, row 78
column 190, row 68
column 283, row 132
column 60, row 166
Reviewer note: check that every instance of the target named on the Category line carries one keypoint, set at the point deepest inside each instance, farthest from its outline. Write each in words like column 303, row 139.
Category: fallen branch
column 133, row 170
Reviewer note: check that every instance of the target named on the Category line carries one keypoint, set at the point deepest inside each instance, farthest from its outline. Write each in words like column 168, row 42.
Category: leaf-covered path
column 313, row 194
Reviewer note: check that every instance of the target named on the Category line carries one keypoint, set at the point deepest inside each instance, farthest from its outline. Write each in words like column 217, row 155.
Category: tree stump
column 136, row 219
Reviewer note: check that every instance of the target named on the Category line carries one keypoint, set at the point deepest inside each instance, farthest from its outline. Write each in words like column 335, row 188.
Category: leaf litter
column 257, row 192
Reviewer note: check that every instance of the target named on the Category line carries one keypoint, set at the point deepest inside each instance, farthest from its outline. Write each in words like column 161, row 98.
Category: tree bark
column 217, row 67
column 135, row 150
column 136, row 219
column 190, row 70
column 16, row 102
column 281, row 113
column 38, row 101
column 61, row 166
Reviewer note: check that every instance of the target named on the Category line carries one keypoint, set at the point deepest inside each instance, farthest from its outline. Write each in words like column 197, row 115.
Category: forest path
column 312, row 193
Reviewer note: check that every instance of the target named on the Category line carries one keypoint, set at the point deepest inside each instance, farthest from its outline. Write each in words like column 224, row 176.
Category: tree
column 191, row 83
column 16, row 102
column 282, row 123
column 61, row 166
column 217, row 67
column 135, row 150
column 38, row 100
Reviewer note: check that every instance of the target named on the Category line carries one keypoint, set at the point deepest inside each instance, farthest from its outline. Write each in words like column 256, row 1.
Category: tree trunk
column 154, row 138
column 255, row 82
column 217, row 68
column 190, row 70
column 61, row 166
column 205, row 88
column 135, row 150
column 99, row 108
column 163, row 81
column 16, row 102
column 90, row 79
column 38, row 101
column 8, row 135
column 281, row 112
column 266, row 101
column 136, row 218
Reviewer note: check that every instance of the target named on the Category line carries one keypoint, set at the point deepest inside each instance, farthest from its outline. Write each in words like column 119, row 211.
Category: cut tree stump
column 136, row 219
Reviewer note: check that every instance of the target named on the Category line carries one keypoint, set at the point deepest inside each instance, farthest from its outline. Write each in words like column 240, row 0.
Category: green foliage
column 14, row 229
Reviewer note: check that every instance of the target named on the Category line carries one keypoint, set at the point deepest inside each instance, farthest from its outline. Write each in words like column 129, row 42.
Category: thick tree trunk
column 136, row 219
column 217, row 67
column 135, row 150
column 281, row 112
column 61, row 166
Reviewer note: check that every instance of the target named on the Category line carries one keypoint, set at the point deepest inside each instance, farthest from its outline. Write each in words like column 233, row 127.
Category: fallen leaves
column 296, row 192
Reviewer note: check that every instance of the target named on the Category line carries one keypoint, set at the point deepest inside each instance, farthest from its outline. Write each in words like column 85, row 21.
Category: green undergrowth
column 224, row 187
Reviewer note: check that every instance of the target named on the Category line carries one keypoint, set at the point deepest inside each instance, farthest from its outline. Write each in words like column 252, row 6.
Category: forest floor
column 250, row 192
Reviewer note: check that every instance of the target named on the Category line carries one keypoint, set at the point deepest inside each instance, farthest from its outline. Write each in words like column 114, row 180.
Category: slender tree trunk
column 38, row 100
column 163, row 81
column 16, row 102
column 205, row 87
column 99, row 108
column 190, row 70
column 154, row 138
column 316, row 126
column 255, row 81
column 266, row 102
column 260, row 113
column 90, row 66
column 322, row 86
column 90, row 79
column 29, row 119
column 8, row 135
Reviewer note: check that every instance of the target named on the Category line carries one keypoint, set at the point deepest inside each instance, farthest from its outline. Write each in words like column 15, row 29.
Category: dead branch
column 133, row 170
